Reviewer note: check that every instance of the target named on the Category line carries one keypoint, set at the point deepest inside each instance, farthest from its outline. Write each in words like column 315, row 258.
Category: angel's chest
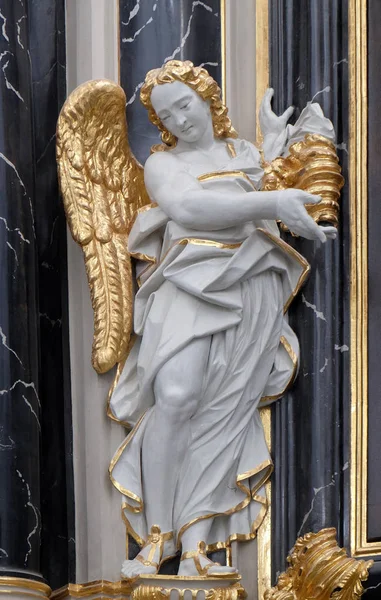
column 197, row 163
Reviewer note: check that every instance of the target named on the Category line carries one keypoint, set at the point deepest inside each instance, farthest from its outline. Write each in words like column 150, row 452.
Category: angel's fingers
column 287, row 114
column 330, row 232
column 265, row 107
column 312, row 199
column 314, row 229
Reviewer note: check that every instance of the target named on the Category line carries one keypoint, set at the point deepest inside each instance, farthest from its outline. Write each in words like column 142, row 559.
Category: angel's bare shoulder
column 161, row 168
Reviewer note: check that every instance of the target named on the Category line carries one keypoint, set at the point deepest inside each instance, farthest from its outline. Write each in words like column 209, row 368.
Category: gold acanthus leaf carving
column 102, row 186
column 312, row 165
column 320, row 570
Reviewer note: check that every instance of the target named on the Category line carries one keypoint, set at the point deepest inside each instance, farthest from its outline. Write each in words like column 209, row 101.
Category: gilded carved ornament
column 320, row 570
column 312, row 165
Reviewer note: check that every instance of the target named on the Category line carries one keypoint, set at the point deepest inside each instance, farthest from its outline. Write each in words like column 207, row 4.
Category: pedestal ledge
column 19, row 588
column 177, row 587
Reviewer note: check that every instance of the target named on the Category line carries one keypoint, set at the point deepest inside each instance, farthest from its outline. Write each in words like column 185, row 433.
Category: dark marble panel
column 20, row 518
column 36, row 494
column 47, row 54
column 153, row 32
column 309, row 61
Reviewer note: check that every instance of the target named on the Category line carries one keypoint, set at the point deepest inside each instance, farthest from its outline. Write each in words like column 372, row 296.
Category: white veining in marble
column 4, row 553
column 43, row 153
column 150, row 20
column 188, row 30
column 26, row 385
column 8, row 83
column 343, row 348
column 15, row 255
column 342, row 146
column 325, row 90
column 340, row 62
column 3, row 27
column 317, row 312
column 133, row 12
column 324, row 366
column 316, row 492
column 9, row 445
column 4, row 343
column 300, row 83
column 18, row 26
column 16, row 230
column 133, row 97
column 45, row 75
column 51, row 321
column 372, row 587
column 10, row 164
column 32, row 411
column 209, row 64
column 35, row 528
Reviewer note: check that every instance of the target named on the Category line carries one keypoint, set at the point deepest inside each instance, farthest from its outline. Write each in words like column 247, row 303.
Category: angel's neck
column 205, row 143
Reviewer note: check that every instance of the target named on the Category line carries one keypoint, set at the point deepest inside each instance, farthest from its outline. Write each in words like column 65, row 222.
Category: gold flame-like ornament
column 312, row 165
column 320, row 570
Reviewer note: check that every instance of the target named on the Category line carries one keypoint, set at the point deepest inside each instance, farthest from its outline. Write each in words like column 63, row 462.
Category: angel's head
column 204, row 96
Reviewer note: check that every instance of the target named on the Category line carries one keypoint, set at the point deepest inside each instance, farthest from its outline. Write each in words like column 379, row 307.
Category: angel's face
column 181, row 110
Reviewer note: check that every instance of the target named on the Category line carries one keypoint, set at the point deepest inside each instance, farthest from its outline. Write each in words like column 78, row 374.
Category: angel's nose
column 180, row 119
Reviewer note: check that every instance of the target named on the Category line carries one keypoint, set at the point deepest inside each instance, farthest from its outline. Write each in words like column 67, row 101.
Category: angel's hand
column 292, row 212
column 269, row 122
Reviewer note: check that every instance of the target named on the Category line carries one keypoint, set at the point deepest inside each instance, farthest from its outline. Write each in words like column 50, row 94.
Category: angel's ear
column 101, row 192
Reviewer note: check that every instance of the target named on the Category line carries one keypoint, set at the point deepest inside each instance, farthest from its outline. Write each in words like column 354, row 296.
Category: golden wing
column 102, row 186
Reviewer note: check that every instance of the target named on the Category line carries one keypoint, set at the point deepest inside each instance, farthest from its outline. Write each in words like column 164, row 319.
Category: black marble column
column 35, row 459
column 309, row 62
column 153, row 32
column 20, row 405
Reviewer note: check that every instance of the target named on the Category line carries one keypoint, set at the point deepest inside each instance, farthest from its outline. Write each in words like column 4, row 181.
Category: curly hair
column 199, row 80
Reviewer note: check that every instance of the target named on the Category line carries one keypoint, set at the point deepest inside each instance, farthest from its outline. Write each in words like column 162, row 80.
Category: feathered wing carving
column 102, row 186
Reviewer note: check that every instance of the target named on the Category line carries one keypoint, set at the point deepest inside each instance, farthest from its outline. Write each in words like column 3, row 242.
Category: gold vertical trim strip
column 262, row 74
column 262, row 59
column 264, row 532
column 223, row 48
column 118, row 36
column 358, row 34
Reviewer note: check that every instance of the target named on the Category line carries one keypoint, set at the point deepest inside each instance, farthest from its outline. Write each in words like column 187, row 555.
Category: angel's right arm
column 182, row 198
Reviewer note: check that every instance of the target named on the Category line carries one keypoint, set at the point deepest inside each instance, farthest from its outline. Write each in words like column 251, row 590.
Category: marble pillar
column 309, row 62
column 35, row 459
column 153, row 32
column 20, row 427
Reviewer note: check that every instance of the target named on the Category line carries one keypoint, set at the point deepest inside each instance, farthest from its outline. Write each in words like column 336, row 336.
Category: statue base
column 176, row 587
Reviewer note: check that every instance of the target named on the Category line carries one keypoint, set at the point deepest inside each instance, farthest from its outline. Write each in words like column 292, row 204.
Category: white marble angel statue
column 211, row 339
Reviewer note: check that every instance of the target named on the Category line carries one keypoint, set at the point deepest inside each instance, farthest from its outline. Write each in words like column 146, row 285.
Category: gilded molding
column 312, row 165
column 24, row 588
column 358, row 41
column 320, row 569
column 110, row 589
column 157, row 592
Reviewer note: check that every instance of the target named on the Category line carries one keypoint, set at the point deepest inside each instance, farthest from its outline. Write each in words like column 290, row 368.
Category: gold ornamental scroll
column 321, row 570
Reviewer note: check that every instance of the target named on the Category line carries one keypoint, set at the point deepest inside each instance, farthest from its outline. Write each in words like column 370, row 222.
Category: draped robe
column 234, row 285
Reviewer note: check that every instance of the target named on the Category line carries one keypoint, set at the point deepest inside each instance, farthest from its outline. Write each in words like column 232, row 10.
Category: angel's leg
column 177, row 389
